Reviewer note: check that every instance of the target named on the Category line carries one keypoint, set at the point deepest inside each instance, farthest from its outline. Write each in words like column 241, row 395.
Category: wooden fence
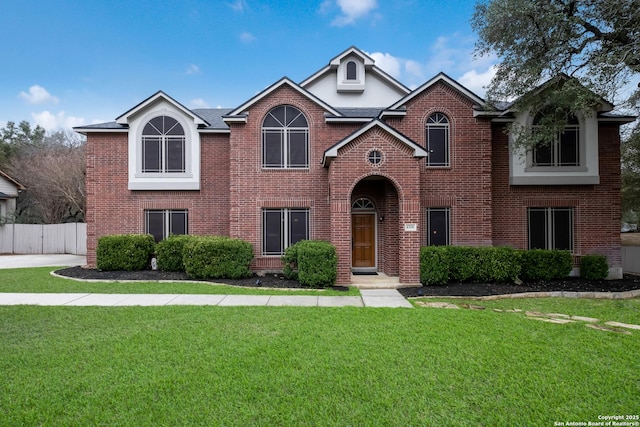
column 43, row 239
column 631, row 259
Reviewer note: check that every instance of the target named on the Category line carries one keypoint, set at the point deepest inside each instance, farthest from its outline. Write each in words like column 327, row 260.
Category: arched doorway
column 374, row 226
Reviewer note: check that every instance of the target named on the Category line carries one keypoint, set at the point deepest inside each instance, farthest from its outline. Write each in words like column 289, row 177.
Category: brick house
column 352, row 156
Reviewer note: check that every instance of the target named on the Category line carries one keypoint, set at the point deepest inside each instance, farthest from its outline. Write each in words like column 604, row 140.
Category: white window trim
column 522, row 172
column 190, row 179
column 446, row 126
column 167, row 221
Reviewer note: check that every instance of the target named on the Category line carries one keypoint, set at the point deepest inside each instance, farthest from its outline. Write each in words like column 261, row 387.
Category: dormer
column 351, row 72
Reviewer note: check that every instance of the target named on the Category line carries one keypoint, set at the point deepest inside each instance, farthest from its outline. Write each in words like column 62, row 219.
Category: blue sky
column 68, row 63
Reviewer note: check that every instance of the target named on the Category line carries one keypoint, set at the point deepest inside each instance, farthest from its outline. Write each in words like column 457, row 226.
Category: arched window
column 285, row 139
column 438, row 140
column 352, row 70
column 163, row 146
column 564, row 149
column 362, row 204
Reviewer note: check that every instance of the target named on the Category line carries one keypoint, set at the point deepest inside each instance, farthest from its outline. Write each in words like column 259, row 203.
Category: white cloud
column 38, row 95
column 198, row 103
column 58, row 121
column 451, row 54
column 247, row 37
column 192, row 69
column 351, row 10
column 477, row 82
column 387, row 62
column 238, row 5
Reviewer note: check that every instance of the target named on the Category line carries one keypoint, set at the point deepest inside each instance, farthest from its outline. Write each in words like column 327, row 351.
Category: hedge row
column 313, row 263
column 441, row 264
column 200, row 257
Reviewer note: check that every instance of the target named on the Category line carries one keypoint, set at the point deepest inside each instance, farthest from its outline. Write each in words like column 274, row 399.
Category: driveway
column 41, row 260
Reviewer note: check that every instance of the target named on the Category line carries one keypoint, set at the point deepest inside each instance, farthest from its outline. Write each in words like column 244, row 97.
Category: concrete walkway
column 369, row 298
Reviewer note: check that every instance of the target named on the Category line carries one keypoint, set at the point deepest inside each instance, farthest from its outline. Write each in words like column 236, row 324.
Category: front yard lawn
column 78, row 366
column 40, row 280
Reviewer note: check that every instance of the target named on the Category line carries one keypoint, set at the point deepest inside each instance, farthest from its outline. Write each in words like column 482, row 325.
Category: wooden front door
column 363, row 229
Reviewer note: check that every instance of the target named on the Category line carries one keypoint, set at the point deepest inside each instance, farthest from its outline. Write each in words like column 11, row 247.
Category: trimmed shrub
column 543, row 264
column 169, row 252
column 290, row 260
column 317, row 263
column 128, row 252
column 313, row 263
column 497, row 264
column 594, row 267
column 434, row 265
column 463, row 262
column 216, row 257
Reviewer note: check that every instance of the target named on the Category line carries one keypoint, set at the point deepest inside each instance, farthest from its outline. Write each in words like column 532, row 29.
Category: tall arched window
column 163, row 146
column 352, row 70
column 438, row 140
column 285, row 139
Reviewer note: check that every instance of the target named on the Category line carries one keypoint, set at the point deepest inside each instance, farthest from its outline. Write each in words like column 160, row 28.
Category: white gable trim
column 124, row 118
column 332, row 152
column 441, row 77
column 237, row 115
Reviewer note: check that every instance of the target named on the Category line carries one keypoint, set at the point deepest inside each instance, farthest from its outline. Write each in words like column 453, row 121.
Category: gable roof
column 369, row 65
column 440, row 77
column 123, row 119
column 332, row 152
column 238, row 113
column 12, row 181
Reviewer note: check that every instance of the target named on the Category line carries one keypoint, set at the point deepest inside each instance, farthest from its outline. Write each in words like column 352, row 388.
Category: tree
column 586, row 49
column 14, row 138
column 52, row 168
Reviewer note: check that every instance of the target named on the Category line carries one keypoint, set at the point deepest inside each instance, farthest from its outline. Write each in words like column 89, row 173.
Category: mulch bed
column 627, row 283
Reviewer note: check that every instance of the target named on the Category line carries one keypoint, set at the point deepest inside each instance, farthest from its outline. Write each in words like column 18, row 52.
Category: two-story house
column 352, row 156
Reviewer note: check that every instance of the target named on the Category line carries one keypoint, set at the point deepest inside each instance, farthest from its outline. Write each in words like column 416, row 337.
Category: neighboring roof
column 238, row 112
column 369, row 65
column 440, row 77
column 13, row 181
column 332, row 152
column 123, row 119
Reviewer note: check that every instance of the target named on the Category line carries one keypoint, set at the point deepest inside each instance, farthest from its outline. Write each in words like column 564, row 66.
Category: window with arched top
column 437, row 130
column 163, row 146
column 362, row 204
column 563, row 150
column 352, row 70
column 285, row 139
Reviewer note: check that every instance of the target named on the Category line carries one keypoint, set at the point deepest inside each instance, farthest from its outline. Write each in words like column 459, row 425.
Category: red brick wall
column 114, row 209
column 465, row 187
column 596, row 207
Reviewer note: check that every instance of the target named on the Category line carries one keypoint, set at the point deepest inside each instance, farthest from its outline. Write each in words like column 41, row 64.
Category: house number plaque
column 410, row 227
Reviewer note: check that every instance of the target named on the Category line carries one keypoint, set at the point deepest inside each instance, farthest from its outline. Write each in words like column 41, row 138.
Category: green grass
column 39, row 280
column 78, row 366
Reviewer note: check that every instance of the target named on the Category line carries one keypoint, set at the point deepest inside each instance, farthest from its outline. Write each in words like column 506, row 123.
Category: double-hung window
column 161, row 223
column 282, row 228
column 437, row 129
column 163, row 146
column 438, row 227
column 550, row 228
column 285, row 139
column 563, row 150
